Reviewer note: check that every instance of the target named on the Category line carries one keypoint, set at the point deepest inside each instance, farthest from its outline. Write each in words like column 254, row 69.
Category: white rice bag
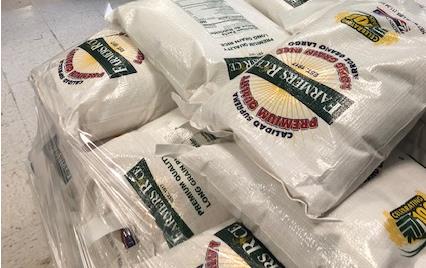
column 104, row 87
column 230, row 244
column 321, row 112
column 306, row 14
column 196, row 42
column 381, row 225
column 160, row 201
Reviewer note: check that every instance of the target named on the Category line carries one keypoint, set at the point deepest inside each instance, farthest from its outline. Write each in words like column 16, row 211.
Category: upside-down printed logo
column 399, row 25
column 406, row 225
column 212, row 255
column 297, row 89
column 367, row 25
column 112, row 55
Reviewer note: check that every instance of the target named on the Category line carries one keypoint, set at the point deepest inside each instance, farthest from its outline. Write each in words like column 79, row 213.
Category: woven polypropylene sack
column 415, row 143
column 103, row 87
column 322, row 111
column 198, row 43
column 370, row 228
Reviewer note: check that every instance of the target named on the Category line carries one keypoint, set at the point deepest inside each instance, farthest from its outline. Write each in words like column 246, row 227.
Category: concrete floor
column 32, row 32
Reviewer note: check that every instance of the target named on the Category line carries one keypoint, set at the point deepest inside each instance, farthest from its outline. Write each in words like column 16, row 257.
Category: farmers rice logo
column 297, row 89
column 239, row 249
column 111, row 55
column 406, row 225
column 175, row 230
column 368, row 26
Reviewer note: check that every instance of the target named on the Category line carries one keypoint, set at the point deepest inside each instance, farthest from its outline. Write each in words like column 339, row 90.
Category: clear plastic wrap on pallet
column 198, row 45
column 92, row 88
column 329, row 104
column 381, row 225
column 49, row 176
column 123, row 179
column 122, row 204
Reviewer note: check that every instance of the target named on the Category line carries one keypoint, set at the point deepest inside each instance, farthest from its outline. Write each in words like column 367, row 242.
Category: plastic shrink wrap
column 98, row 90
column 121, row 203
column 92, row 88
column 323, row 110
column 381, row 225
column 198, row 45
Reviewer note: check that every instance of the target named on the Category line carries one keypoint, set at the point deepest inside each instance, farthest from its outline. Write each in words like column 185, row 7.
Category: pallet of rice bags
column 103, row 87
column 382, row 224
column 198, row 43
column 324, row 109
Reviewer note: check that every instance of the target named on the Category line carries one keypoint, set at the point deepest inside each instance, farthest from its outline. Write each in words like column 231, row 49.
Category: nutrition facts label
column 229, row 27
column 217, row 17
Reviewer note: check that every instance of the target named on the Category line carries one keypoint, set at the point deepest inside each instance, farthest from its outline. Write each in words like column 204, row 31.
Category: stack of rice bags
column 270, row 160
column 122, row 203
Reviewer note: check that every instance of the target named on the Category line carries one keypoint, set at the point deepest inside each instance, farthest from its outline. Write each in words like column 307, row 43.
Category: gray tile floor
column 32, row 32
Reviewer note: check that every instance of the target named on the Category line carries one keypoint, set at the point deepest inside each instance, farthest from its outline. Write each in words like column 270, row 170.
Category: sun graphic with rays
column 80, row 65
column 282, row 103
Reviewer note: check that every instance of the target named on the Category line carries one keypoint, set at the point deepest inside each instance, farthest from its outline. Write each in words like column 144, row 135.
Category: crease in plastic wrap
column 329, row 104
column 48, row 176
column 198, row 45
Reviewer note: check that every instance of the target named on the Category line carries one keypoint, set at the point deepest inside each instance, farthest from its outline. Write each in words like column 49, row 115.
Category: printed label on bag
column 406, row 225
column 250, row 252
column 295, row 3
column 173, row 227
column 369, row 26
column 55, row 155
column 193, row 191
column 287, row 92
column 237, row 66
column 111, row 55
column 178, row 200
column 222, row 21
